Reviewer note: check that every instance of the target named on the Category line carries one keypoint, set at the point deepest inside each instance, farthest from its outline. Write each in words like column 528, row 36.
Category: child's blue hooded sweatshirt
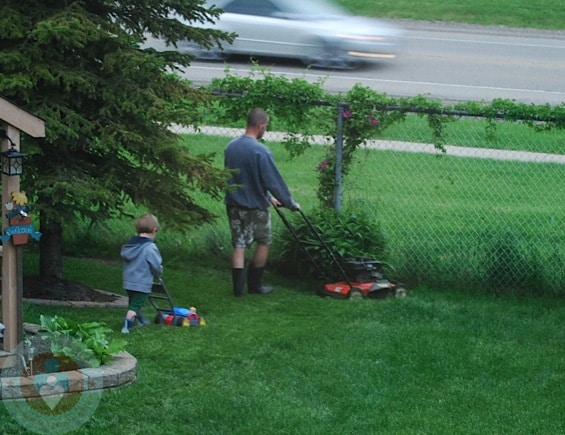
column 142, row 264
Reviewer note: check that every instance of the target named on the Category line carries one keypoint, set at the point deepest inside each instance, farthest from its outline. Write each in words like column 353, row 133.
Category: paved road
column 449, row 61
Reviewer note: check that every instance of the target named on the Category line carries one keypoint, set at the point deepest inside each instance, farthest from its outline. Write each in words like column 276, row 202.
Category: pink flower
column 347, row 113
column 323, row 165
column 373, row 120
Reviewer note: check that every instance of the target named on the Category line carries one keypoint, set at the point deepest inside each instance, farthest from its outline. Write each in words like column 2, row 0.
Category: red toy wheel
column 169, row 319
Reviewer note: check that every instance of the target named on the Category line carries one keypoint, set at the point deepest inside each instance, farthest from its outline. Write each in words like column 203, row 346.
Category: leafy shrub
column 346, row 234
column 84, row 343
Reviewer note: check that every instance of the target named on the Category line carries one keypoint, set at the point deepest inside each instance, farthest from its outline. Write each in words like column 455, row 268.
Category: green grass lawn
column 438, row 361
column 293, row 362
column 471, row 132
column 544, row 14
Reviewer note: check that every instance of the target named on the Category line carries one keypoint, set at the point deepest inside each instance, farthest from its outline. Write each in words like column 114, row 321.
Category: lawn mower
column 359, row 277
column 167, row 313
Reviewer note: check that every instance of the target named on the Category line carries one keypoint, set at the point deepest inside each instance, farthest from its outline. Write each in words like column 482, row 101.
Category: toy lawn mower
column 167, row 313
column 359, row 277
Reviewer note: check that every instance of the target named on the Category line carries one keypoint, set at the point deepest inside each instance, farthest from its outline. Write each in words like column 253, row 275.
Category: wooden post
column 14, row 121
column 12, row 315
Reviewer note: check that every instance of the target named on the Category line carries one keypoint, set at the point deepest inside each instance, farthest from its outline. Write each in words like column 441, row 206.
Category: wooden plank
column 21, row 119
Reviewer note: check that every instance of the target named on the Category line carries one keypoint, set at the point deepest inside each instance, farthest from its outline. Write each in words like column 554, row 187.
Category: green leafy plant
column 347, row 233
column 85, row 343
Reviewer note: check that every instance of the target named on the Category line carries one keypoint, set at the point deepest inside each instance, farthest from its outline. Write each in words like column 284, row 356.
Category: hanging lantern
column 12, row 160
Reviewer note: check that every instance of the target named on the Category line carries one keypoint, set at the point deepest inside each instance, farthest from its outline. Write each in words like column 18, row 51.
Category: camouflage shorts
column 248, row 226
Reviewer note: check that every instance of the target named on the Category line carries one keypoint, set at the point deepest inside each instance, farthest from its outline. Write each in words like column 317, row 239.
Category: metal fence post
column 338, row 157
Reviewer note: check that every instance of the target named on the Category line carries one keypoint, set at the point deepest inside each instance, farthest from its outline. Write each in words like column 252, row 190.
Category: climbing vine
column 303, row 109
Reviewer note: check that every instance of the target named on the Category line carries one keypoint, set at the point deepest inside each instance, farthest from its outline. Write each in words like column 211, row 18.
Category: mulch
column 62, row 290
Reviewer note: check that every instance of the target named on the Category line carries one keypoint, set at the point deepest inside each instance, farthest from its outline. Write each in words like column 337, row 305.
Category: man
column 258, row 184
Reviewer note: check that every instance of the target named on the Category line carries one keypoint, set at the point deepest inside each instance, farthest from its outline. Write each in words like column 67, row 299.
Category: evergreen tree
column 107, row 105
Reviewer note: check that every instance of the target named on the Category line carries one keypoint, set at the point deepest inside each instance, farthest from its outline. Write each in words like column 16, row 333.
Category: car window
column 251, row 7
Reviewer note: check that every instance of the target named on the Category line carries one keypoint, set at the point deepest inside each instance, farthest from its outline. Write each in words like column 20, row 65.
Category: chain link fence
column 487, row 211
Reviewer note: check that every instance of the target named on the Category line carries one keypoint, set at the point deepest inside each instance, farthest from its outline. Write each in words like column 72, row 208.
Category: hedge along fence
column 469, row 195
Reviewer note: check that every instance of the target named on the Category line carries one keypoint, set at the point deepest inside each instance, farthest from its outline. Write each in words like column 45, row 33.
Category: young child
column 142, row 265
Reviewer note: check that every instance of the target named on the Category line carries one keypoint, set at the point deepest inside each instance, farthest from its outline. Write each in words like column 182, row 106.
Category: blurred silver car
column 317, row 32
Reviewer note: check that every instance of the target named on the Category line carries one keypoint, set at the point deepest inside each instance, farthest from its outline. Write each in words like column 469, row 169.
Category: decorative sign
column 20, row 228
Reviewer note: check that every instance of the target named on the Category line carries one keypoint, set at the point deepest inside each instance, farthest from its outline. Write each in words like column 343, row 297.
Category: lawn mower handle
column 336, row 262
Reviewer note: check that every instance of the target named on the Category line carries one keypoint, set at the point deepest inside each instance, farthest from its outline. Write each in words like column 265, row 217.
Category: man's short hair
column 257, row 116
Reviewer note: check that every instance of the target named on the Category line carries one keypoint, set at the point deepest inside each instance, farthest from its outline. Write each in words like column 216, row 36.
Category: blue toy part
column 179, row 311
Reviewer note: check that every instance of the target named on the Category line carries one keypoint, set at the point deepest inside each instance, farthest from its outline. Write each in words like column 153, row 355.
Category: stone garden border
column 121, row 370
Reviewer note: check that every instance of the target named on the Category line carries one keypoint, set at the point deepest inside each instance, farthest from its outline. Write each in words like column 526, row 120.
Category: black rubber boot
column 238, row 279
column 254, row 278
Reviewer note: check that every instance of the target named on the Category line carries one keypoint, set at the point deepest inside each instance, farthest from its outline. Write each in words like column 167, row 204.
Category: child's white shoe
column 128, row 324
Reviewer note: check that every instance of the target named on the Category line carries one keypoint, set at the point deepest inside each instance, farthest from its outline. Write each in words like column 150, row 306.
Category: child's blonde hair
column 146, row 224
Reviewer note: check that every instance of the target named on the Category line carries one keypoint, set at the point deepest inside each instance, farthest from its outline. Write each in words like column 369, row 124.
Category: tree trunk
column 50, row 249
